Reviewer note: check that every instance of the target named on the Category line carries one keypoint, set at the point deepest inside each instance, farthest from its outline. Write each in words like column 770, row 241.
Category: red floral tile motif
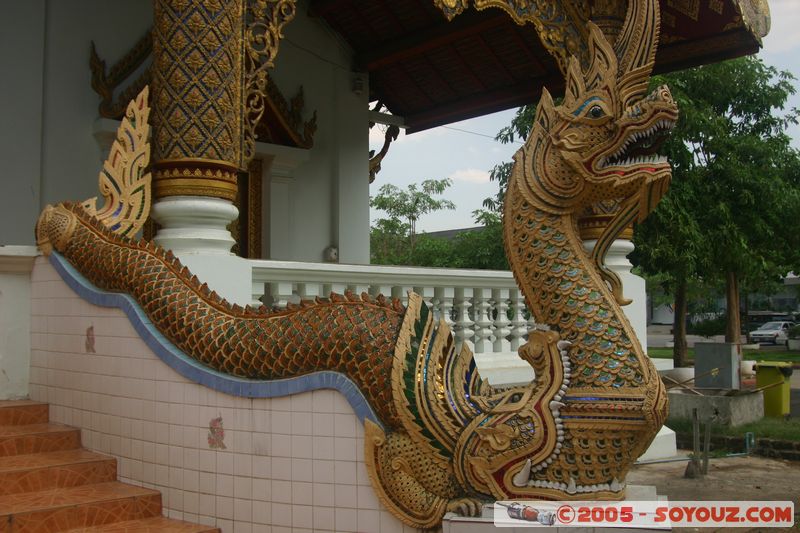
column 216, row 434
column 90, row 339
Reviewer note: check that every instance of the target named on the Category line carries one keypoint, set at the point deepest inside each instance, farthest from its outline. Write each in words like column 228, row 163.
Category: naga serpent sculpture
column 444, row 439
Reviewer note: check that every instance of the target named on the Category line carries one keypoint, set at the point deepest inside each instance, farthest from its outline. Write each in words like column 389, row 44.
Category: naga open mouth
column 641, row 147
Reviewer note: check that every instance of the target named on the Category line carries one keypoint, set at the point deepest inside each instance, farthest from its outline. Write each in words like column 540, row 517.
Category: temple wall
column 47, row 142
column 329, row 194
column 293, row 463
column 49, row 108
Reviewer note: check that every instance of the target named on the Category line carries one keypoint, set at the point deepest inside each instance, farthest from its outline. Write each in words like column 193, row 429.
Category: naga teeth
column 572, row 487
column 520, row 479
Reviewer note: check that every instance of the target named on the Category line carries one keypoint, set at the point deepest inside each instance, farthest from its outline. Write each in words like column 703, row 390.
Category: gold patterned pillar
column 198, row 61
column 198, row 121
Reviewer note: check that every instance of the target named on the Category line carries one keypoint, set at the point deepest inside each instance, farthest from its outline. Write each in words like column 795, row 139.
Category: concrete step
column 48, row 483
column 148, row 525
column 21, row 412
column 63, row 509
column 51, row 470
column 37, row 438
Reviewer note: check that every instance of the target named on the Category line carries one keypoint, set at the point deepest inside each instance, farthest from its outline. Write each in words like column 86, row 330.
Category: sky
column 466, row 151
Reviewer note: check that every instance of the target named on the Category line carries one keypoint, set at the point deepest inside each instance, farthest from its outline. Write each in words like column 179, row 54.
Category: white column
column 328, row 288
column 633, row 287
column 195, row 229
column 401, row 293
column 350, row 172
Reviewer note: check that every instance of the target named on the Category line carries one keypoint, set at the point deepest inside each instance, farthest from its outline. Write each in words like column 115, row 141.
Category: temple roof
column 434, row 72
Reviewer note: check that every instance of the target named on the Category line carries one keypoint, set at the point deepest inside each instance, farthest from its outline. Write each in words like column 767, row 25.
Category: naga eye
column 515, row 397
column 596, row 112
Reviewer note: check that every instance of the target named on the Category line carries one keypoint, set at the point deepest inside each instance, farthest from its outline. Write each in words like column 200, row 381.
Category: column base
column 195, row 229
column 194, row 224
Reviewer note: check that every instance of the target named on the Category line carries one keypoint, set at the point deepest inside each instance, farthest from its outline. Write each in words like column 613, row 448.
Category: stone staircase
column 49, row 483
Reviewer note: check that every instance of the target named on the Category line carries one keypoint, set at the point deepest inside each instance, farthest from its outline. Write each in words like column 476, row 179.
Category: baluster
column 531, row 323
column 309, row 290
column 501, row 322
column 426, row 293
column 519, row 325
column 483, row 323
column 281, row 293
column 444, row 304
column 401, row 293
column 357, row 288
column 463, row 324
column 258, row 291
column 328, row 288
column 377, row 290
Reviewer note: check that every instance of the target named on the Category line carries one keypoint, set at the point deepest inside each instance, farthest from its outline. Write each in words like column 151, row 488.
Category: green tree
column 393, row 240
column 727, row 216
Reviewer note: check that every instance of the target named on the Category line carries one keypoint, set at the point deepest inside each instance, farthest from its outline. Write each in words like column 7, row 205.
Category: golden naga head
column 601, row 143
column 54, row 228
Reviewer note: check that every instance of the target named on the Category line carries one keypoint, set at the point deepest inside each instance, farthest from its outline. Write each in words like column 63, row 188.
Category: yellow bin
column 776, row 397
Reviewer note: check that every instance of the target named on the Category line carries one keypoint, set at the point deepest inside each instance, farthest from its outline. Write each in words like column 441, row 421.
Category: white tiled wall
column 290, row 464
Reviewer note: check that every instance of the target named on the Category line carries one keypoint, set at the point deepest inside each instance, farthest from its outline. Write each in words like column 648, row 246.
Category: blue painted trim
column 196, row 371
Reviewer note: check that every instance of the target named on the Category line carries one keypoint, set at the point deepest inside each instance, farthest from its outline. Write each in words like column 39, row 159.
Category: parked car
column 774, row 332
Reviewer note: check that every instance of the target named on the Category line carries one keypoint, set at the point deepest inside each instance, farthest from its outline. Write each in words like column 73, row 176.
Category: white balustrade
column 483, row 307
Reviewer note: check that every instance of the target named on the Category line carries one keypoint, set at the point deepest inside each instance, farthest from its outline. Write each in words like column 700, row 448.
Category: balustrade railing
column 484, row 307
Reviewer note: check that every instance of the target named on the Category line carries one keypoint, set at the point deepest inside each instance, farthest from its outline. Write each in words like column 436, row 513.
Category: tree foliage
column 727, row 218
column 480, row 247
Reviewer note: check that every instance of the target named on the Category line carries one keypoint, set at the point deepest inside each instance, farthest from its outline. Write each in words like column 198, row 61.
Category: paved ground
column 739, row 478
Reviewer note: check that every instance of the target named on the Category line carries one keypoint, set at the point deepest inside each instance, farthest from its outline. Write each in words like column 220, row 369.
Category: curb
column 773, row 448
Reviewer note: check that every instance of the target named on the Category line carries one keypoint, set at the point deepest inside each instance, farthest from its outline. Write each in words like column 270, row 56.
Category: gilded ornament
column 561, row 25
column 106, row 84
column 124, row 182
column 263, row 34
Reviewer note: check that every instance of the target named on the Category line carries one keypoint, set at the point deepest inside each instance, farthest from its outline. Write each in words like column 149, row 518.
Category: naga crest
column 601, row 142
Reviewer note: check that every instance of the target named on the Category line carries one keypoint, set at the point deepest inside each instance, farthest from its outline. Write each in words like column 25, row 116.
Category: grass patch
column 766, row 428
column 791, row 356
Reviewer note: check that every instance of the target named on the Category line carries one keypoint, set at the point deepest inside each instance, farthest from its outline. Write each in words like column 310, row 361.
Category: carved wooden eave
column 439, row 61
column 281, row 123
